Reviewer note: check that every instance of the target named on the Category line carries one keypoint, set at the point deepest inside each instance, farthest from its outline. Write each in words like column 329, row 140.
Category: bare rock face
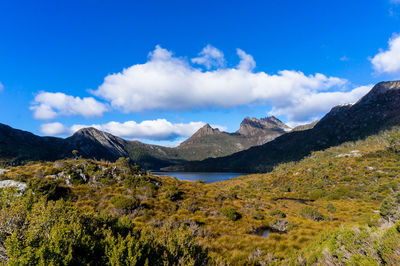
column 254, row 126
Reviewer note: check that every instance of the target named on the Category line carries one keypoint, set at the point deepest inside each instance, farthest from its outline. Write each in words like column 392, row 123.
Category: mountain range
column 379, row 109
column 257, row 146
column 17, row 146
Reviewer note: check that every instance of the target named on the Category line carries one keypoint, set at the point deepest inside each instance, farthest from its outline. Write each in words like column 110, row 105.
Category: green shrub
column 172, row 193
column 317, row 194
column 311, row 213
column 57, row 233
column 50, row 188
column 125, row 203
column 277, row 213
column 390, row 209
column 394, row 142
column 331, row 208
column 230, row 213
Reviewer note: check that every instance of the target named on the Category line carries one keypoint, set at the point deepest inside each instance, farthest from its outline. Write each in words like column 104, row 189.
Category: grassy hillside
column 336, row 206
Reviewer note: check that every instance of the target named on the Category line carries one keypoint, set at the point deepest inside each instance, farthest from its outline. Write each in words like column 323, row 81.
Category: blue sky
column 188, row 62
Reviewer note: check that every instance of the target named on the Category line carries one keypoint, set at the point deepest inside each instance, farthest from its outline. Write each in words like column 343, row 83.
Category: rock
column 280, row 225
column 21, row 186
column 2, row 171
column 354, row 153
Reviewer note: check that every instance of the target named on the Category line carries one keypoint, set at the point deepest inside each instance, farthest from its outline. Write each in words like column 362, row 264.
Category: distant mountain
column 209, row 142
column 91, row 142
column 262, row 130
column 17, row 146
column 377, row 110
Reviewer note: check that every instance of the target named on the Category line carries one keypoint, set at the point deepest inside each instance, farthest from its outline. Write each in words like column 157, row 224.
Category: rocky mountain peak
column 385, row 86
column 206, row 130
column 253, row 126
column 115, row 145
column 88, row 131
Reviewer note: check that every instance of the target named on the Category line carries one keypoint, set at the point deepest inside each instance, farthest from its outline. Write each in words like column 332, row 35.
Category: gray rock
column 280, row 225
column 2, row 171
column 21, row 186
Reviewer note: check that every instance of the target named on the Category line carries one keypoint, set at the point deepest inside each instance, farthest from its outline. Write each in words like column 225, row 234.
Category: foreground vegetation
column 338, row 206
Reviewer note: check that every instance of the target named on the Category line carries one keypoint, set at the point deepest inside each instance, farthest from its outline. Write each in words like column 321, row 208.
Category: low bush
column 125, row 203
column 277, row 213
column 331, row 208
column 50, row 188
column 230, row 213
column 311, row 213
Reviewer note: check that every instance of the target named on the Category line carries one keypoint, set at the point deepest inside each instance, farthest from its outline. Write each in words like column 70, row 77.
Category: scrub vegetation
column 337, row 206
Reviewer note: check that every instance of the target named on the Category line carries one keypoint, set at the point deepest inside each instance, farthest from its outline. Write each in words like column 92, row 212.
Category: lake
column 203, row 176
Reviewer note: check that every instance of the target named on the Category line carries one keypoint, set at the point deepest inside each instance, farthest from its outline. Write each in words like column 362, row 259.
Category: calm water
column 263, row 233
column 194, row 176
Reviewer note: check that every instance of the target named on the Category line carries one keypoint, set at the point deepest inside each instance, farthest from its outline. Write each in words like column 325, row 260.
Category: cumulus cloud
column 166, row 82
column 47, row 105
column 159, row 129
column 247, row 62
column 54, row 129
column 308, row 107
column 388, row 61
column 210, row 57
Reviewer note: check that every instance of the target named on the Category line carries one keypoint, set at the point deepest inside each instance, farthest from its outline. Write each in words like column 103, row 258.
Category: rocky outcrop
column 279, row 225
column 20, row 186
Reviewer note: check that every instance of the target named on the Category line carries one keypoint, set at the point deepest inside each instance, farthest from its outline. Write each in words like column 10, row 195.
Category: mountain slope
column 375, row 111
column 92, row 142
column 19, row 146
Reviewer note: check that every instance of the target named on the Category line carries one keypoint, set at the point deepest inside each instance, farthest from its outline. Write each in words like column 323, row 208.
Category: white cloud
column 54, row 129
column 388, row 61
column 49, row 105
column 309, row 107
column 210, row 57
column 170, row 83
column 159, row 129
column 1, row 86
column 247, row 62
